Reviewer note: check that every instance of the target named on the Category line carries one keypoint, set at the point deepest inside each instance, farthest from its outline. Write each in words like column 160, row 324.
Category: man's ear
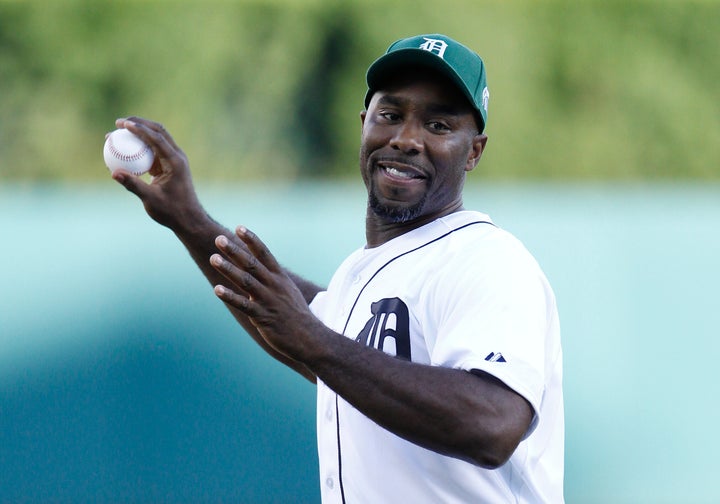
column 363, row 114
column 478, row 146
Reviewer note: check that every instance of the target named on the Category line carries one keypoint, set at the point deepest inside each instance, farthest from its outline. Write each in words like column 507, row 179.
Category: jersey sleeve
column 495, row 312
column 318, row 304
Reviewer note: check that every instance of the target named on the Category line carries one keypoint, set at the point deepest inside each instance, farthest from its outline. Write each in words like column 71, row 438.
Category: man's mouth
column 401, row 171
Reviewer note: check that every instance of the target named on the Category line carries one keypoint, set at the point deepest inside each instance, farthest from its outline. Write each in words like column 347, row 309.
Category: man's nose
column 408, row 138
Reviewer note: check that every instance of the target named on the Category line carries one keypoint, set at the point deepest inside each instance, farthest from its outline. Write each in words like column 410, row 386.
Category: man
column 436, row 347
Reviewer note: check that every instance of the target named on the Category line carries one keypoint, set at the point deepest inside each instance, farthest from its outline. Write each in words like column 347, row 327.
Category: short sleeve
column 495, row 311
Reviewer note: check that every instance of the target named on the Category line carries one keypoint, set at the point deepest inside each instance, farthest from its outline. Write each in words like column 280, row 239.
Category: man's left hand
column 260, row 288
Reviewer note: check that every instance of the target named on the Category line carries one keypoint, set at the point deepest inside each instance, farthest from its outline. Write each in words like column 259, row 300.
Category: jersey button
column 330, row 483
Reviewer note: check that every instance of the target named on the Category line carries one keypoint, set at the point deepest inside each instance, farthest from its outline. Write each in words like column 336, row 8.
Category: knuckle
column 264, row 253
column 252, row 265
column 226, row 267
column 245, row 305
column 245, row 281
column 231, row 248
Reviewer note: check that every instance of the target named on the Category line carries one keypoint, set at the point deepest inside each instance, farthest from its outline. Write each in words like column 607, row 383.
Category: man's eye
column 389, row 116
column 438, row 126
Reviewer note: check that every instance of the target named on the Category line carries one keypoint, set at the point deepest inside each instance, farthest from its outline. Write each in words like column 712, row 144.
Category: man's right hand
column 170, row 197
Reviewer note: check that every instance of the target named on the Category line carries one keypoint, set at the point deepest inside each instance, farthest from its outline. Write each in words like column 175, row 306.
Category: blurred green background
column 266, row 90
column 122, row 379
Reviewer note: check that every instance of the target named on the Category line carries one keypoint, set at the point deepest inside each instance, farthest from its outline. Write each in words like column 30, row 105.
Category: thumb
column 132, row 183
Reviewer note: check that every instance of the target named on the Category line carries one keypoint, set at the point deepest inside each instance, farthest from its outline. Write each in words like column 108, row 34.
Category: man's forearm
column 450, row 411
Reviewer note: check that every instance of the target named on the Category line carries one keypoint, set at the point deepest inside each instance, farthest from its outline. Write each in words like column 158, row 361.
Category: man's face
column 419, row 138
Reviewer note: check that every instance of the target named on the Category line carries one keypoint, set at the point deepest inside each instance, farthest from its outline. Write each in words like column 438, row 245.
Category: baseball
column 123, row 150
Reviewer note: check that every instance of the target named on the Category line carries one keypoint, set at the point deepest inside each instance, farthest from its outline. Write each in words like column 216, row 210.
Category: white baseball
column 123, row 150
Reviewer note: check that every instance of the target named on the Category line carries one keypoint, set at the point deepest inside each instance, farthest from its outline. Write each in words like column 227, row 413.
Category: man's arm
column 474, row 417
column 170, row 199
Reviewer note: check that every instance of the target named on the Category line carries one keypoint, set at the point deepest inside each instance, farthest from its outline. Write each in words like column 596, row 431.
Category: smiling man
column 419, row 139
column 436, row 347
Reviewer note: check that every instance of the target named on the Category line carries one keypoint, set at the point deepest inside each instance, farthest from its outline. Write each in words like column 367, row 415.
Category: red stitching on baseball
column 127, row 157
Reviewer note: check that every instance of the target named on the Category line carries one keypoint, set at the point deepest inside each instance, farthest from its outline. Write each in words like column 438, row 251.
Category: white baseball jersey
column 460, row 293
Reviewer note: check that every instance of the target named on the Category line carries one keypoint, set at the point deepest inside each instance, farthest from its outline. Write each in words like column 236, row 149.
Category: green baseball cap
column 439, row 52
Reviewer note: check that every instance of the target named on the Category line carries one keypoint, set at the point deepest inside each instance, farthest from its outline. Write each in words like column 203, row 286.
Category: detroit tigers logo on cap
column 436, row 46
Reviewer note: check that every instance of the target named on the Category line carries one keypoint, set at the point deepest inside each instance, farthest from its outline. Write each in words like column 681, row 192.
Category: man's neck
column 379, row 231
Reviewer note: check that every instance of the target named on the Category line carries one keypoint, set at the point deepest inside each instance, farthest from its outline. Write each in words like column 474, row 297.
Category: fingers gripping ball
column 123, row 150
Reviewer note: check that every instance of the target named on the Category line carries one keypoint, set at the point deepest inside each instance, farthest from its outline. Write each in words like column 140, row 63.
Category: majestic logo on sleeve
column 388, row 329
column 495, row 357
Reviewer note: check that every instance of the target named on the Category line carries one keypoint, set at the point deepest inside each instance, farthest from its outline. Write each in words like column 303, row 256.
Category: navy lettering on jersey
column 390, row 320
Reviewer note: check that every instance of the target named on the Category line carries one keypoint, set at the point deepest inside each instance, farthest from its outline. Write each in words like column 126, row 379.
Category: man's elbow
column 495, row 455
column 492, row 449
column 492, row 459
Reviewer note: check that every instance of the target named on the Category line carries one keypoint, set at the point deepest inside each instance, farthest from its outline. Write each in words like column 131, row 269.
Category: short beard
column 396, row 215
